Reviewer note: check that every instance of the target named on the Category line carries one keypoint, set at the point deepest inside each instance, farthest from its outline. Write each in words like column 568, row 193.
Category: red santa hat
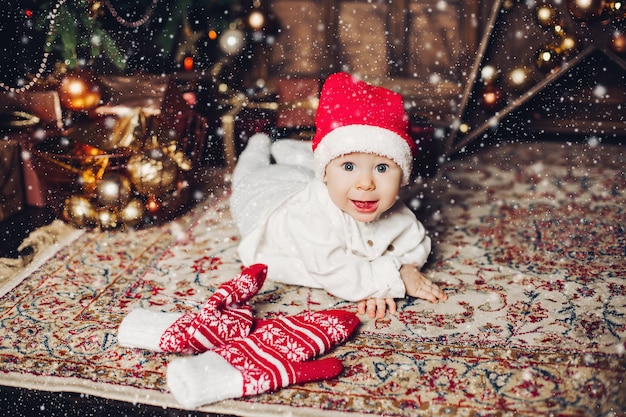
column 354, row 116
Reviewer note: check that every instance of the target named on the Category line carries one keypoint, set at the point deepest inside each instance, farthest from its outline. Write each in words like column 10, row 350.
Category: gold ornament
column 617, row 42
column 492, row 97
column 154, row 173
column 585, row 9
column 559, row 30
column 125, row 132
column 519, row 79
column 79, row 211
column 154, row 204
column 232, row 41
column 107, row 219
column 489, row 74
column 18, row 119
column 569, row 44
column 172, row 150
column 79, row 91
column 548, row 58
column 547, row 16
column 617, row 9
column 113, row 190
column 132, row 214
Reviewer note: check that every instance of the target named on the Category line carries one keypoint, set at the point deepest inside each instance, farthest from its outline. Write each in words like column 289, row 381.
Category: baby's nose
column 365, row 182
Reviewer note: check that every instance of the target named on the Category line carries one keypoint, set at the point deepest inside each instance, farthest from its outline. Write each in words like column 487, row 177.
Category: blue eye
column 348, row 166
column 381, row 168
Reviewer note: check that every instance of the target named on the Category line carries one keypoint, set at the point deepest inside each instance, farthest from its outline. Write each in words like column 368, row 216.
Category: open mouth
column 365, row 206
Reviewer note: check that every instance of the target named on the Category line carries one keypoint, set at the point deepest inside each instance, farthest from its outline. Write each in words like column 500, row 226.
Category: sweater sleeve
column 413, row 242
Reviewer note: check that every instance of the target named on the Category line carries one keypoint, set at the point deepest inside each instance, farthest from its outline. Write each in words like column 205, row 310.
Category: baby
column 328, row 215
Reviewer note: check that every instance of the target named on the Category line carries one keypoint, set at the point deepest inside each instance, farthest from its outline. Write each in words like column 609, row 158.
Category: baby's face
column 363, row 185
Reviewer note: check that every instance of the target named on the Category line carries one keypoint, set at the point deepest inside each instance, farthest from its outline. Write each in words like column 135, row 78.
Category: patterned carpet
column 529, row 244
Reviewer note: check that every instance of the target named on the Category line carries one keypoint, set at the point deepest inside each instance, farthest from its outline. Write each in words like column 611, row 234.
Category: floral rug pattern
column 528, row 243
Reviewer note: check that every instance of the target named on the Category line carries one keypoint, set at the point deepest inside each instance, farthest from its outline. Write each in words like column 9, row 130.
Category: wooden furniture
column 420, row 48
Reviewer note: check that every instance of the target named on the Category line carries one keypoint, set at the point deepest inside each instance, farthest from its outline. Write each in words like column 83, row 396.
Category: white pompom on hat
column 354, row 116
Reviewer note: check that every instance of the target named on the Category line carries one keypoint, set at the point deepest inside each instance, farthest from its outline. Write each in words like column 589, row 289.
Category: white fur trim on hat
column 366, row 139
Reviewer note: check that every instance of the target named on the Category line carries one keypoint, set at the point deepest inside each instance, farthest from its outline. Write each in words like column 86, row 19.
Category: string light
column 146, row 16
column 44, row 59
column 188, row 63
column 256, row 20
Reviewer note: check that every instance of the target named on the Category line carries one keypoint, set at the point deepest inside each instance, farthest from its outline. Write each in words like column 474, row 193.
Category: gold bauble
column 232, row 41
column 492, row 97
column 548, row 58
column 132, row 214
column 585, row 9
column 489, row 74
column 569, row 44
column 154, row 205
column 113, row 190
column 107, row 219
column 559, row 30
column 519, row 79
column 79, row 91
column 79, row 211
column 617, row 9
column 547, row 16
column 153, row 173
column 617, row 42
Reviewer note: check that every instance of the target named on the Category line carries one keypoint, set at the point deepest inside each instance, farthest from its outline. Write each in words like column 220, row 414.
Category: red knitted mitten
column 276, row 354
column 226, row 316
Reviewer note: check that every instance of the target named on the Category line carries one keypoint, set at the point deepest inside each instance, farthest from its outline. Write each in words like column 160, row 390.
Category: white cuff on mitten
column 203, row 379
column 143, row 328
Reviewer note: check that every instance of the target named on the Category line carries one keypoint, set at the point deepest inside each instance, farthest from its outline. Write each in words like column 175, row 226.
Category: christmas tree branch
column 76, row 32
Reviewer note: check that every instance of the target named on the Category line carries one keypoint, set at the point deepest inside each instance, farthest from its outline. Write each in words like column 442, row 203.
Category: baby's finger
column 371, row 307
column 381, row 307
column 440, row 295
column 361, row 307
column 427, row 294
column 431, row 292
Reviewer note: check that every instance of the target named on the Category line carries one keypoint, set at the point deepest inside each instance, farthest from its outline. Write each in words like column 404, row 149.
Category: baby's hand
column 417, row 285
column 376, row 307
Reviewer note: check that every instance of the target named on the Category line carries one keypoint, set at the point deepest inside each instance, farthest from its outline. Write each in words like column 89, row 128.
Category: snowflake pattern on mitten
column 265, row 358
column 227, row 315
column 278, row 353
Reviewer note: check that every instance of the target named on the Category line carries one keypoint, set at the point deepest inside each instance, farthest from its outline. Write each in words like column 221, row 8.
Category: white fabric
column 143, row 328
column 367, row 139
column 253, row 195
column 203, row 379
column 308, row 241
column 293, row 152
column 290, row 223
